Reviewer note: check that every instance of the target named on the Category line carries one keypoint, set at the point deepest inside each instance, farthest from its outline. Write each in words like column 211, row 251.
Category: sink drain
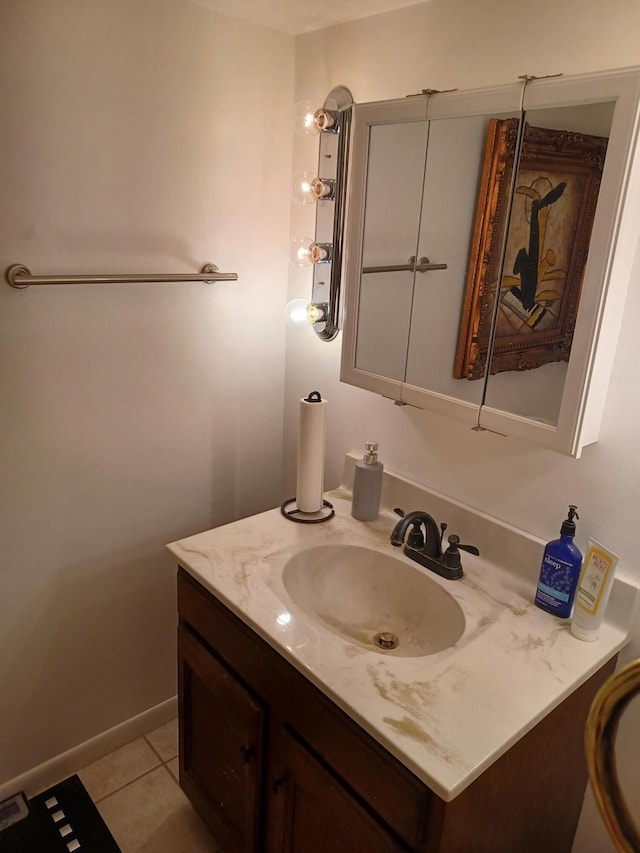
column 386, row 640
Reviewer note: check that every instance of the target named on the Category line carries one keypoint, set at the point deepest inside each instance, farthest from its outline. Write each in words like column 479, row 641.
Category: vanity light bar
column 338, row 106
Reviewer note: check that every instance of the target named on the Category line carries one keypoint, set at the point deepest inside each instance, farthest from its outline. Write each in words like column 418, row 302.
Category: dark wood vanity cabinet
column 221, row 745
column 221, row 770
column 271, row 764
column 313, row 810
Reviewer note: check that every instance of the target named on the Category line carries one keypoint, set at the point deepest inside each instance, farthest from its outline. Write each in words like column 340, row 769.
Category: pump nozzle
column 569, row 526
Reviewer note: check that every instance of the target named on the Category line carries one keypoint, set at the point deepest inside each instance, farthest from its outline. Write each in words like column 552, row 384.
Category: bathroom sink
column 373, row 599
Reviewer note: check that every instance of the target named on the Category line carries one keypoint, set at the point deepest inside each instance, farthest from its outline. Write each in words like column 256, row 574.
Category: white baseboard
column 61, row 766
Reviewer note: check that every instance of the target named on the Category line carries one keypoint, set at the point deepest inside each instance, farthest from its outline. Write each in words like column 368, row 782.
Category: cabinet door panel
column 221, row 745
column 454, row 165
column 315, row 813
column 395, row 170
column 383, row 321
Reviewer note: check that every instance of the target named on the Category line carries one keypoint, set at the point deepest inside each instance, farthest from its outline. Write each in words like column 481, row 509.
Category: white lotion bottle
column 367, row 484
column 592, row 595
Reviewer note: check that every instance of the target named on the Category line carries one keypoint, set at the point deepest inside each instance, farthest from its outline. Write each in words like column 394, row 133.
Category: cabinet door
column 454, row 164
column 221, row 745
column 311, row 811
column 395, row 171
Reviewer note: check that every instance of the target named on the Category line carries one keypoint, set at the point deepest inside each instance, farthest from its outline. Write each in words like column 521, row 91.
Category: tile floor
column 136, row 791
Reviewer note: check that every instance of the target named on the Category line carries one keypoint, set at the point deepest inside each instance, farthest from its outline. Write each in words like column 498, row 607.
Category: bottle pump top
column 371, row 452
column 569, row 526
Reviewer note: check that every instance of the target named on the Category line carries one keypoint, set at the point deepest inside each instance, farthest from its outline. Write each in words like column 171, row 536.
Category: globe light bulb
column 308, row 188
column 296, row 315
column 300, row 251
column 304, row 119
column 304, row 251
column 299, row 313
column 309, row 121
column 302, row 188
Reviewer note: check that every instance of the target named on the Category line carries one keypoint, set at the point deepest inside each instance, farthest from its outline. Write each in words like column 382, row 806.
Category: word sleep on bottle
column 560, row 570
column 367, row 484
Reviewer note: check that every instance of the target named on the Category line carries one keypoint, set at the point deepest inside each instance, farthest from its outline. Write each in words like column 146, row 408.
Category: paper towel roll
column 310, row 484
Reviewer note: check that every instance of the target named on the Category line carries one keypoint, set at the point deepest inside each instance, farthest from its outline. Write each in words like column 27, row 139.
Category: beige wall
column 447, row 44
column 134, row 415
column 139, row 136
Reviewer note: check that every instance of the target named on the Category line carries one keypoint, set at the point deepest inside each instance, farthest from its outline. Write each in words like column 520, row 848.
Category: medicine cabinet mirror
column 489, row 244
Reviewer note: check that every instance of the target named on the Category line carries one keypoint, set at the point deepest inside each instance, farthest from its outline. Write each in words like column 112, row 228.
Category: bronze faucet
column 426, row 548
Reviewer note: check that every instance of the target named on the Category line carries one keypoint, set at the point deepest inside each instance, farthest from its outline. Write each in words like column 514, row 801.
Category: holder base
column 311, row 517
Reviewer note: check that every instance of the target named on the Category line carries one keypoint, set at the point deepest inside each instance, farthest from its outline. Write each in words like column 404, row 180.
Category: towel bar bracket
column 13, row 275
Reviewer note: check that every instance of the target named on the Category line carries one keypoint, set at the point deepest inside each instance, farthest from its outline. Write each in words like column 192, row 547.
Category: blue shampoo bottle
column 560, row 570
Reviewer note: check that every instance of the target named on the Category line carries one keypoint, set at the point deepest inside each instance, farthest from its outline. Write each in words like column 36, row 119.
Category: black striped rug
column 62, row 819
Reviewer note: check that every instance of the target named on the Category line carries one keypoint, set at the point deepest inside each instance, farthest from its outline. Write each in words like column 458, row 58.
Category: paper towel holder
column 308, row 486
column 303, row 517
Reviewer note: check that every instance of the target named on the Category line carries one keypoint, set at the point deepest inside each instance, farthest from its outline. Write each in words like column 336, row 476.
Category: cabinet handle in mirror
column 423, row 265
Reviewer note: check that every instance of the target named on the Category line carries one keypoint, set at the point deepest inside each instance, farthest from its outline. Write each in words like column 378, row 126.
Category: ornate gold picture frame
column 549, row 226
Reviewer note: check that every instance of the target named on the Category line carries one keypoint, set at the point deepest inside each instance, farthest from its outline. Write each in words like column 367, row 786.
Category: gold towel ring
column 600, row 737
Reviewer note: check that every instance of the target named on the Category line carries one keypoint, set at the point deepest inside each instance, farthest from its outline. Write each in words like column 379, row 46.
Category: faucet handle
column 454, row 544
column 415, row 539
column 451, row 557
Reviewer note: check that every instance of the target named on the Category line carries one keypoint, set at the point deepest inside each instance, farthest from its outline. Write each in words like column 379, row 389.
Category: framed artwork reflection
column 548, row 228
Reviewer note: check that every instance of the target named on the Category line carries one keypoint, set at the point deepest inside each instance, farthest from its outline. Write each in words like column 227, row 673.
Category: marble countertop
column 445, row 716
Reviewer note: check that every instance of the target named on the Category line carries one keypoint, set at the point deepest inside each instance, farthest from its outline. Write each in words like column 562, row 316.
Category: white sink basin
column 359, row 593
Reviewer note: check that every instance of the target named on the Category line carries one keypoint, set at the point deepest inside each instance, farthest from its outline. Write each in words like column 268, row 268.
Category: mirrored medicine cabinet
column 489, row 243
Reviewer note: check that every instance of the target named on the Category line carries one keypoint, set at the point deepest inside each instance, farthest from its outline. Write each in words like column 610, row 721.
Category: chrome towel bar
column 20, row 277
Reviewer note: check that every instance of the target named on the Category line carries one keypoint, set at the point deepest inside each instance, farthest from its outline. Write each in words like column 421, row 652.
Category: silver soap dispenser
column 367, row 484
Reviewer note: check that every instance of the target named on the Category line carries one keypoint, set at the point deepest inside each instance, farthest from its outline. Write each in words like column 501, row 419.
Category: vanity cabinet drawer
column 375, row 776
